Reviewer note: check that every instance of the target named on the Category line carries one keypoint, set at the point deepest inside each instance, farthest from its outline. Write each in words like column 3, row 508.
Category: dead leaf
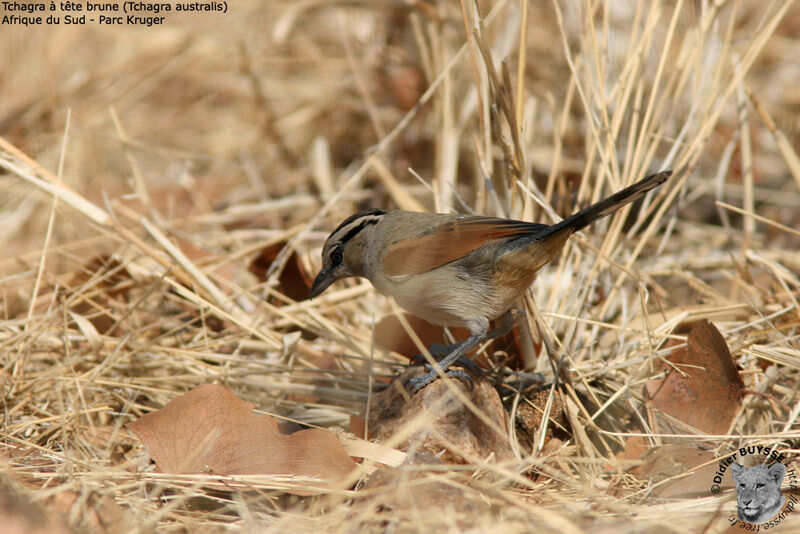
column 405, row 83
column 677, row 465
column 707, row 391
column 634, row 449
column 358, row 426
column 21, row 514
column 110, row 281
column 675, row 470
column 294, row 281
column 211, row 430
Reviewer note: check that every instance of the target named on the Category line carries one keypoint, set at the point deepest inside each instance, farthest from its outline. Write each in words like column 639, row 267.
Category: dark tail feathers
column 611, row 204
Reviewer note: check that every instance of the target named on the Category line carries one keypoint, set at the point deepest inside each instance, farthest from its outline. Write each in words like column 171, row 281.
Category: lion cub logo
column 758, row 491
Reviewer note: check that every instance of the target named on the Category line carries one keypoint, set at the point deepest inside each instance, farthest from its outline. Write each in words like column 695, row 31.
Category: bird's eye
column 336, row 256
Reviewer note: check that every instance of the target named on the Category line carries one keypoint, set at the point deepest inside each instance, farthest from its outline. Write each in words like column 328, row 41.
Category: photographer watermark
column 759, row 501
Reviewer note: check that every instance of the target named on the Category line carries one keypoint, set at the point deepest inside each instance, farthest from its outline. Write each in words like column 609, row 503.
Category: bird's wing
column 450, row 241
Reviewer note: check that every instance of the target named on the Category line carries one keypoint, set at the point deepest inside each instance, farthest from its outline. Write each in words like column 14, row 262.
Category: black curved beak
column 321, row 283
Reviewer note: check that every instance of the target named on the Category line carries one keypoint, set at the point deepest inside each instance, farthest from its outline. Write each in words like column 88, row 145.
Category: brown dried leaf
column 211, row 430
column 634, row 449
column 21, row 514
column 358, row 426
column 708, row 393
column 110, row 281
column 294, row 281
column 677, row 465
column 675, row 470
column 405, row 83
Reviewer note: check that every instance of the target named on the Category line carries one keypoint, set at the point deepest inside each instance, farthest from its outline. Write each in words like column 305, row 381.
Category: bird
column 452, row 269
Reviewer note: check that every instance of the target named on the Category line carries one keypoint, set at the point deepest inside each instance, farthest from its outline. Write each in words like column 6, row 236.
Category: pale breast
column 447, row 296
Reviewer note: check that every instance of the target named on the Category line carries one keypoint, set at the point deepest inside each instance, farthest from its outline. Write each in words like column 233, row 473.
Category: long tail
column 611, row 204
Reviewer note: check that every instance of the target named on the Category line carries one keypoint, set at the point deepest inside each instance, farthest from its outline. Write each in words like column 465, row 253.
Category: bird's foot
column 416, row 384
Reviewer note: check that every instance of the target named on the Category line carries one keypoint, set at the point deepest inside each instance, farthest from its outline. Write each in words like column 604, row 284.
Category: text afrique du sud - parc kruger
column 112, row 13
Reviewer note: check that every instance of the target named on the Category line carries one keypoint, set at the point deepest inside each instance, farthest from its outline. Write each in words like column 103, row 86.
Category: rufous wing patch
column 450, row 242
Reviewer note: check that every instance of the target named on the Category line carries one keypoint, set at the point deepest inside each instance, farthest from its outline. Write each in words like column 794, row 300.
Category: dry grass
column 159, row 162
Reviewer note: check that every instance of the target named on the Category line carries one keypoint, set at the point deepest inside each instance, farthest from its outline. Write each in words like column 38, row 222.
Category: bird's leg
column 479, row 330
column 438, row 351
column 503, row 326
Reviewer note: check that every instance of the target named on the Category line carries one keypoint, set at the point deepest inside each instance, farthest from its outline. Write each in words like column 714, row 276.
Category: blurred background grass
column 286, row 101
column 225, row 108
